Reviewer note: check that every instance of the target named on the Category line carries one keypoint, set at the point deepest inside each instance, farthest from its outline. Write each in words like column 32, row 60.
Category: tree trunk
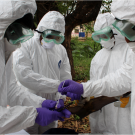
column 67, row 45
column 85, row 11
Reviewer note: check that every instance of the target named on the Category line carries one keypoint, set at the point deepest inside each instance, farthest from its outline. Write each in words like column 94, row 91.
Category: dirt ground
column 80, row 126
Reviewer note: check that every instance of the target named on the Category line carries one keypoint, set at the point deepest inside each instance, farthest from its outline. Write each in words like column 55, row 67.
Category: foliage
column 83, row 52
column 76, row 117
column 86, row 49
column 71, row 102
column 85, row 126
column 66, row 7
column 106, row 6
column 89, row 27
column 82, row 68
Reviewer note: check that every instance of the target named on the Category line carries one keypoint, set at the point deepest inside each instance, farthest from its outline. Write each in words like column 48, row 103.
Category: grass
column 82, row 68
column 83, row 52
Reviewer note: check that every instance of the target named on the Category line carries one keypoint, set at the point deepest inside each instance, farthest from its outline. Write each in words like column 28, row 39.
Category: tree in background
column 89, row 27
column 75, row 12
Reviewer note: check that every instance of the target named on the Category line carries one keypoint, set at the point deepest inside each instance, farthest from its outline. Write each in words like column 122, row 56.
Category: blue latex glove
column 46, row 116
column 70, row 86
column 73, row 96
column 50, row 104
column 60, row 104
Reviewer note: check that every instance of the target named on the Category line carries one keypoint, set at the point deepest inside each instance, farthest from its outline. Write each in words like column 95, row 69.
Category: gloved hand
column 70, row 86
column 46, row 116
column 60, row 104
column 50, row 104
column 73, row 96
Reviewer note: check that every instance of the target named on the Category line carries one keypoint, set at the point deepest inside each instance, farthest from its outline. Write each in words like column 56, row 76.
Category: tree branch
column 85, row 11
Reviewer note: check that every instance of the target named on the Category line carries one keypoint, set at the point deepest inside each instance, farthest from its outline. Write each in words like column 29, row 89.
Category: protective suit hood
column 124, row 10
column 52, row 20
column 104, row 20
column 11, row 10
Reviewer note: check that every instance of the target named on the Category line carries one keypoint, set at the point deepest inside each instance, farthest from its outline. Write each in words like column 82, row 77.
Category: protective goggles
column 51, row 35
column 17, row 33
column 125, row 28
column 103, row 34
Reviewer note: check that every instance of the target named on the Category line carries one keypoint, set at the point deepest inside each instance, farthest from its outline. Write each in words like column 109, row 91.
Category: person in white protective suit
column 42, row 62
column 111, row 120
column 22, row 112
column 125, row 11
column 123, row 79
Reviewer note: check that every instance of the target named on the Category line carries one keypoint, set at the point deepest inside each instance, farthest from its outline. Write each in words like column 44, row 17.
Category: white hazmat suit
column 125, row 10
column 118, row 82
column 111, row 120
column 40, row 69
column 18, row 116
column 123, row 79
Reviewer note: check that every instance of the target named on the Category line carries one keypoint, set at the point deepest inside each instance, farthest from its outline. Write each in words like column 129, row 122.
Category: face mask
column 132, row 46
column 108, row 44
column 49, row 45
